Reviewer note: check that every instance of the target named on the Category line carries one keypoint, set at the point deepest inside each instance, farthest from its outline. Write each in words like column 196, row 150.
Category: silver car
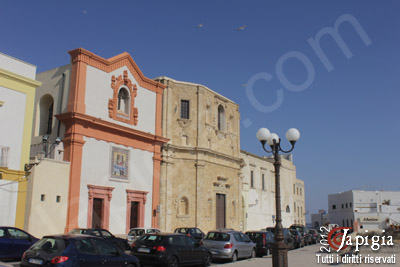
column 135, row 233
column 229, row 244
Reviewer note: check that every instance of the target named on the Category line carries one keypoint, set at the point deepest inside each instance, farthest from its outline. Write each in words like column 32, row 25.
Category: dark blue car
column 76, row 250
column 14, row 242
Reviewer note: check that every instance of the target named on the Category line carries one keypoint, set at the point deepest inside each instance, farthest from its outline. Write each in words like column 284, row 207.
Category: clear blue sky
column 348, row 116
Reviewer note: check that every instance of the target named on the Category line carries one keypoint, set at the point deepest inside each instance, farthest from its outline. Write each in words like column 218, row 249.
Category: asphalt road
column 303, row 257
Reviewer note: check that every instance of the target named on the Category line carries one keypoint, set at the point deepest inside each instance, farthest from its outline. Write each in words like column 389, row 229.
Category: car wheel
column 207, row 260
column 234, row 256
column 173, row 262
column 253, row 253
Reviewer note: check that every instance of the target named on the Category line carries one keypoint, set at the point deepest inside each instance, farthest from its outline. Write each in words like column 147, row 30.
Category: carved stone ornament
column 122, row 81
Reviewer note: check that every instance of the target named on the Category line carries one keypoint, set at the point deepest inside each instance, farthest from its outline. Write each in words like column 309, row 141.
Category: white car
column 135, row 233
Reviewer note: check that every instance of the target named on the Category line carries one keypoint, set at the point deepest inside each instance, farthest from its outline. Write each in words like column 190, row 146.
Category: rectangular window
column 42, row 197
column 333, row 207
column 184, row 109
column 263, row 182
column 58, row 199
column 252, row 179
column 4, row 151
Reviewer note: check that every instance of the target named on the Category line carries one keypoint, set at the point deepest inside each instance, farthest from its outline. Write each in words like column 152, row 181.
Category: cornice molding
column 18, row 78
column 114, row 63
column 203, row 150
column 88, row 120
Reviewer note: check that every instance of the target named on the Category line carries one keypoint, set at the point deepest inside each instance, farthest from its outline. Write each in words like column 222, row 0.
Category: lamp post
column 279, row 249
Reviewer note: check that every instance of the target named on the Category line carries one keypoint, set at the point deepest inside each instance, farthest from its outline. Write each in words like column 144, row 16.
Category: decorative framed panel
column 119, row 163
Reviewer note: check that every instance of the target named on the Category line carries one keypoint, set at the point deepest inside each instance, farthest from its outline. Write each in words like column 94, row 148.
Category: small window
column 123, row 101
column 45, row 113
column 252, row 179
column 183, row 206
column 4, row 155
column 333, row 207
column 294, row 189
column 342, row 206
column 58, row 199
column 350, row 204
column 287, row 209
column 221, row 118
column 184, row 109
column 346, row 206
column 263, row 181
column 42, row 197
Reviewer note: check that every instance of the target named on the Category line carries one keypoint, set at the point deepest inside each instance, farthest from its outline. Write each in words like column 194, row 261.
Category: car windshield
column 151, row 239
column 136, row 232
column 254, row 236
column 50, row 245
column 216, row 236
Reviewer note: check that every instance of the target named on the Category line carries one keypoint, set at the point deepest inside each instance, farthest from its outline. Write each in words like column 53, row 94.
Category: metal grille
column 185, row 109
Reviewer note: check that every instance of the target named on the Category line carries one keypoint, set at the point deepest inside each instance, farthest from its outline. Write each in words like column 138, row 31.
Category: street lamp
column 279, row 249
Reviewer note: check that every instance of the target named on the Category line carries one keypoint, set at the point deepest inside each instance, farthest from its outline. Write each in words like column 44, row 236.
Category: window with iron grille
column 4, row 152
column 184, row 109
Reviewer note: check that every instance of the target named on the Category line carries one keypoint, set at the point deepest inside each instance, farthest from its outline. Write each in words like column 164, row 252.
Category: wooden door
column 97, row 216
column 220, row 211
column 134, row 220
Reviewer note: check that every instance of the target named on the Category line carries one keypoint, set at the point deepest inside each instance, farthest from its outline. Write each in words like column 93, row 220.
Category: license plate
column 35, row 261
column 144, row 250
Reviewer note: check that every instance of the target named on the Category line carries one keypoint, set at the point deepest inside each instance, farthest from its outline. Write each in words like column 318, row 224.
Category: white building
column 370, row 210
column 17, row 93
column 108, row 116
column 258, row 189
column 319, row 219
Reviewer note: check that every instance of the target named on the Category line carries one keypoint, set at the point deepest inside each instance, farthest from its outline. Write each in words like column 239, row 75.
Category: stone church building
column 200, row 182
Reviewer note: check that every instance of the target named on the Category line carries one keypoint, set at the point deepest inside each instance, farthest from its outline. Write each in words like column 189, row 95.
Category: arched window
column 123, row 101
column 183, row 206
column 287, row 209
column 221, row 118
column 46, row 105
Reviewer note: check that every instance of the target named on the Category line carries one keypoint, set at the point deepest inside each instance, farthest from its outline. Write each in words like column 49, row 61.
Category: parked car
column 14, row 242
column 298, row 238
column 288, row 238
column 170, row 249
column 135, row 233
column 315, row 236
column 193, row 232
column 76, row 251
column 122, row 243
column 304, row 232
column 229, row 244
column 263, row 241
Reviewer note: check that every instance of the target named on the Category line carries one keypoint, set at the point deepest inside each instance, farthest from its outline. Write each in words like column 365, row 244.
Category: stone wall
column 200, row 160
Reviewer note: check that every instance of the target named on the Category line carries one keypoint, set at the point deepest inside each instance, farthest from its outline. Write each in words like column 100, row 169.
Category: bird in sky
column 241, row 28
